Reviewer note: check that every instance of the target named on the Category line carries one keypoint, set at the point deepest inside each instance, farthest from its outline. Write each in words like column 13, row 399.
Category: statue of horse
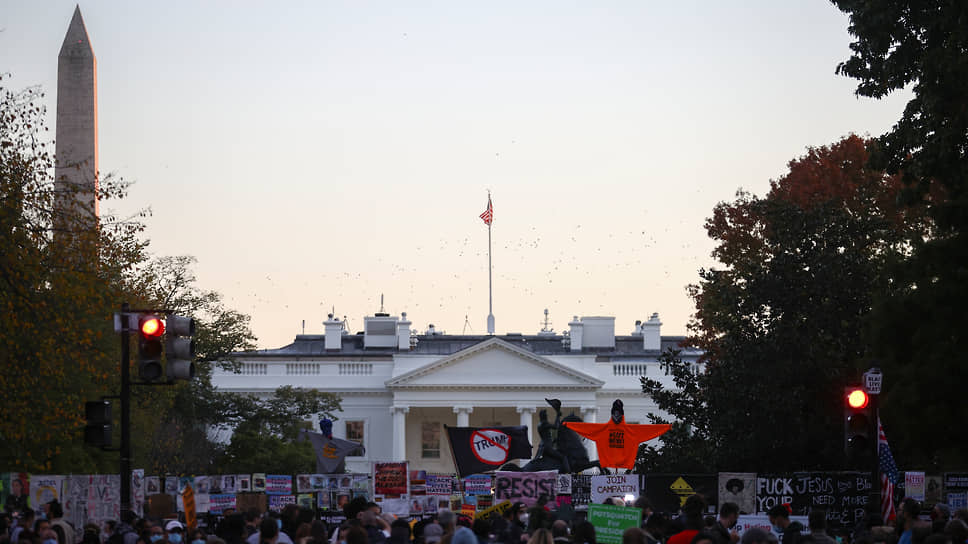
column 564, row 453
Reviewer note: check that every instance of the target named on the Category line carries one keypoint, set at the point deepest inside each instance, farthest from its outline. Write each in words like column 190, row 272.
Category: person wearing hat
column 174, row 531
column 787, row 531
column 432, row 533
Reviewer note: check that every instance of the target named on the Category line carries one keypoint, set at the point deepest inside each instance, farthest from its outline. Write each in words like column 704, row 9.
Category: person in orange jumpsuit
column 617, row 441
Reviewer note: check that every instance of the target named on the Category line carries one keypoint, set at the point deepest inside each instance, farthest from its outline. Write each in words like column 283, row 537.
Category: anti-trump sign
column 481, row 449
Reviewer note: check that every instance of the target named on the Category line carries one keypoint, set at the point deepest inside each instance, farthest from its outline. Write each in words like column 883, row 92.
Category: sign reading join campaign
column 617, row 485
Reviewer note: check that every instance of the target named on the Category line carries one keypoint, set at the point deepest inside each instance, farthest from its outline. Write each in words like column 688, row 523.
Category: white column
column 527, row 417
column 399, row 432
column 463, row 415
column 589, row 414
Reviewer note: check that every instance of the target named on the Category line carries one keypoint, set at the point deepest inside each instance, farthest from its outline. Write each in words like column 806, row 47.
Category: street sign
column 872, row 381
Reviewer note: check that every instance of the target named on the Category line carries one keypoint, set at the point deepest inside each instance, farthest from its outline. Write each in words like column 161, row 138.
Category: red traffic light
column 152, row 325
column 857, row 399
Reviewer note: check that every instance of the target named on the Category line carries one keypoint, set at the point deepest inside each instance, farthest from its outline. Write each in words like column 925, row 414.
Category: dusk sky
column 314, row 155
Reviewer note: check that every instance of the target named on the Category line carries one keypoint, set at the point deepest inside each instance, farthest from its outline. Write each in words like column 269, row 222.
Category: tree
column 57, row 294
column 266, row 431
column 781, row 323
column 917, row 331
column 177, row 421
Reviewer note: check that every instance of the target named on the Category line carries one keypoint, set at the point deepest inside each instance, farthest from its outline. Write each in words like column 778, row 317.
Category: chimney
column 403, row 333
column 575, row 333
column 651, row 339
column 599, row 332
column 334, row 333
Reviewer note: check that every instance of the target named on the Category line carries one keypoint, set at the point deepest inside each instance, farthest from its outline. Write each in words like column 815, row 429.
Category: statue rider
column 549, row 437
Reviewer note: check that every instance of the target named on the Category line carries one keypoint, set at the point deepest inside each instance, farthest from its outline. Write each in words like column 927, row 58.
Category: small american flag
column 889, row 474
column 488, row 214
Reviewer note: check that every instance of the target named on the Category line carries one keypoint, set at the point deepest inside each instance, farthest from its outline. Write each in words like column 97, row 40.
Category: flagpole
column 490, row 271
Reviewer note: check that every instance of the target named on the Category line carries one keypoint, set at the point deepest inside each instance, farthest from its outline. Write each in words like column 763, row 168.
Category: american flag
column 889, row 474
column 488, row 214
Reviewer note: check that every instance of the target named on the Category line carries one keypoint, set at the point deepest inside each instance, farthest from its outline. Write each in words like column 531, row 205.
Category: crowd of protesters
column 366, row 524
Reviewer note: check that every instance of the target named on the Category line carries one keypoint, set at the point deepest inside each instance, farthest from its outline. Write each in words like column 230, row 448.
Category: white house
column 400, row 388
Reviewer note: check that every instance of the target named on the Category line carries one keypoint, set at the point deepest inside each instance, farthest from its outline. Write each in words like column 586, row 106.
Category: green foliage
column 266, row 430
column 918, row 332
column 60, row 279
column 782, row 322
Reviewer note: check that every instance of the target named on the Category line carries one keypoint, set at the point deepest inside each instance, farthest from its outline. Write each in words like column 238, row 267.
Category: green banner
column 611, row 521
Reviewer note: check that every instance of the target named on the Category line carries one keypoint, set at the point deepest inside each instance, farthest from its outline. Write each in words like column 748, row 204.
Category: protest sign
column 152, row 485
column 220, row 502
column 229, row 483
column 390, row 479
column 15, row 490
column 249, row 501
column 138, row 491
column 202, row 502
column 203, row 484
column 92, row 498
column 498, row 509
column 563, row 486
column 477, row 484
column 762, row 521
column 668, row 492
column 188, row 498
column 955, row 489
column 844, row 495
column 259, row 482
column 44, row 489
column 525, row 487
column 244, row 483
column 442, row 485
column 615, row 485
column 418, row 482
column 395, row 506
column 611, row 521
column 305, row 500
column 581, row 490
column 914, row 485
column 278, row 484
column 738, row 488
column 278, row 502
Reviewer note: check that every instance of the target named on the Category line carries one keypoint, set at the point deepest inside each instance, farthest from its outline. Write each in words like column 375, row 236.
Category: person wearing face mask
column 55, row 513
column 175, row 530
column 197, row 536
column 155, row 534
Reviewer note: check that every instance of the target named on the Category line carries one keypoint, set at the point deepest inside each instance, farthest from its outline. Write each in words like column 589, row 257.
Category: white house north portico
column 399, row 388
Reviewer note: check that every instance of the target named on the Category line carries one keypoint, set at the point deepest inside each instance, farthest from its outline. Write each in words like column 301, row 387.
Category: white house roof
column 494, row 364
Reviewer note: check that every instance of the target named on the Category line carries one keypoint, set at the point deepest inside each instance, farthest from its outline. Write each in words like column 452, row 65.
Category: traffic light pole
column 875, row 506
column 125, row 413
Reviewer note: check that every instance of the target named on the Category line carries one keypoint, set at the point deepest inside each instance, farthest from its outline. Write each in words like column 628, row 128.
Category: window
column 355, row 433
column 430, row 440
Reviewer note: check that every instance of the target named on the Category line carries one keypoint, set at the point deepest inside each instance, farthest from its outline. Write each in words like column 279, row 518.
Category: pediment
column 494, row 364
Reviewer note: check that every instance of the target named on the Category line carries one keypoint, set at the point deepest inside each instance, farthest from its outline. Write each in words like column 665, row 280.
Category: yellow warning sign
column 682, row 490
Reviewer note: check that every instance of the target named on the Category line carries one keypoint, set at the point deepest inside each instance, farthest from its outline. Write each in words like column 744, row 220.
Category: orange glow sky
column 320, row 154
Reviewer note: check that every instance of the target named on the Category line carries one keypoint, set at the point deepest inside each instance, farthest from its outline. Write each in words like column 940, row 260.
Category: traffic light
column 151, row 330
column 97, row 432
column 180, row 348
column 858, row 426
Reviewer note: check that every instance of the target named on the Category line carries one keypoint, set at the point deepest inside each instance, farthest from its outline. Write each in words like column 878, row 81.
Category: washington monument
column 76, row 171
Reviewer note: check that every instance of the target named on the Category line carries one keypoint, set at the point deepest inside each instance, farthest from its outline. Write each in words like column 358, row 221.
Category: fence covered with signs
column 845, row 496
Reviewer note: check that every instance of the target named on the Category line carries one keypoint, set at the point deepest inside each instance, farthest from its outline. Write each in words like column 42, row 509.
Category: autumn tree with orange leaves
column 57, row 295
column 782, row 320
